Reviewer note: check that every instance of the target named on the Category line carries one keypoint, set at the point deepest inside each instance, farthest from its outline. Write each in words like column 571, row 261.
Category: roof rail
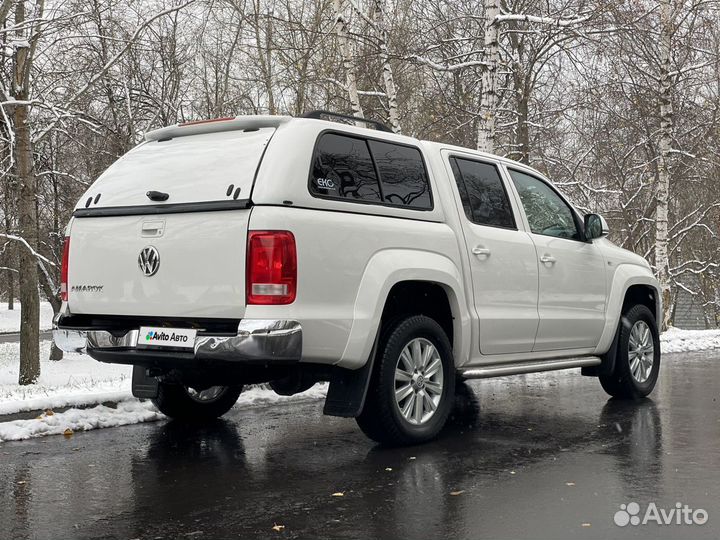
column 318, row 115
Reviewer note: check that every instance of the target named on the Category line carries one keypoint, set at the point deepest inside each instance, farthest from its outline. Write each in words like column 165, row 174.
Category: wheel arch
column 629, row 286
column 428, row 282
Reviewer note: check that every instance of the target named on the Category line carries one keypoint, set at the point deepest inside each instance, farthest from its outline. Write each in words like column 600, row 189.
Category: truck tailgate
column 193, row 265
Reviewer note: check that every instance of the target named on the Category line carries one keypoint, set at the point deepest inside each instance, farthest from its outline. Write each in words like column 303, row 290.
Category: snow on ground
column 130, row 411
column 10, row 320
column 78, row 380
column 49, row 423
column 676, row 340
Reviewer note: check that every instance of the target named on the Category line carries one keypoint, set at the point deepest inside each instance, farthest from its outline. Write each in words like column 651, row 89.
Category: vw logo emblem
column 149, row 261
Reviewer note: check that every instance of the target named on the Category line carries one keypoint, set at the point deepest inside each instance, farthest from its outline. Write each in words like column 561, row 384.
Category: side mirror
column 595, row 226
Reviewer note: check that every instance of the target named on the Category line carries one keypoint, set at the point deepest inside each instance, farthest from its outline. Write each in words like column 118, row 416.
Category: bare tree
column 25, row 46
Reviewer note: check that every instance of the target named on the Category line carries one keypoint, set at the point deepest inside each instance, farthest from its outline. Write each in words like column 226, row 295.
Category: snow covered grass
column 676, row 340
column 10, row 320
column 79, row 380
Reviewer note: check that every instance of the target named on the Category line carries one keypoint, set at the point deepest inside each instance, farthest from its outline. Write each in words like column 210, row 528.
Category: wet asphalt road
column 536, row 456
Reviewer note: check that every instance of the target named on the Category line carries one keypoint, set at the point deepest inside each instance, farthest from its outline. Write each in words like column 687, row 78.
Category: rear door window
column 402, row 175
column 342, row 168
column 360, row 170
column 483, row 194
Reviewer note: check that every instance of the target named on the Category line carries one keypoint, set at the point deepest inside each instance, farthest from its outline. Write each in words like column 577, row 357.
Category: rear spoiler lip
column 232, row 124
column 172, row 208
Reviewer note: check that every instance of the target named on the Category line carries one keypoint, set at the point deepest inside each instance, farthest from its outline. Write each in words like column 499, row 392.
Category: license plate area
column 155, row 337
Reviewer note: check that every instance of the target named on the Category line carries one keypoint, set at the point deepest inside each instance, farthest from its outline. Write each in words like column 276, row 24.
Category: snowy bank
column 130, row 411
column 75, row 380
column 676, row 340
column 10, row 320
column 66, row 423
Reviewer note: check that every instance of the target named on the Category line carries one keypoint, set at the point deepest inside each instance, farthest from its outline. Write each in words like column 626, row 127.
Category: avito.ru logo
column 681, row 514
column 162, row 336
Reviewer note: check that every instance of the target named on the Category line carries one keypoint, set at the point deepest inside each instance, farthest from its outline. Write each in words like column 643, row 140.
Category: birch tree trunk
column 6, row 157
column 265, row 55
column 390, row 90
column 27, row 211
column 348, row 64
column 665, row 145
column 488, row 101
column 9, row 250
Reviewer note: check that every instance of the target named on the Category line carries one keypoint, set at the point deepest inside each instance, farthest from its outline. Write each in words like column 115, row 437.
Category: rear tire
column 637, row 362
column 412, row 387
column 183, row 403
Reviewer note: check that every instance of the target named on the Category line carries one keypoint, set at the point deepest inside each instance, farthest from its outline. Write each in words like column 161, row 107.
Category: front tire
column 637, row 362
column 413, row 383
column 183, row 403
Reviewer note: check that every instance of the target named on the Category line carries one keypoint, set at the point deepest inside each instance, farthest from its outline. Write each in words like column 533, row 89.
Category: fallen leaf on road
column 68, row 432
column 278, row 528
column 454, row 493
column 338, row 494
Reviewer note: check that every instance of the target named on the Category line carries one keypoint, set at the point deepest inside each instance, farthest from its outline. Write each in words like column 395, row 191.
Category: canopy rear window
column 204, row 168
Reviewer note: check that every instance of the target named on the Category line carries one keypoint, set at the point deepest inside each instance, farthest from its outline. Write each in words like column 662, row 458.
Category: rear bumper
column 263, row 341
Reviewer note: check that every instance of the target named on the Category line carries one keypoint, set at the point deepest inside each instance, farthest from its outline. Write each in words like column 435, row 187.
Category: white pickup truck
column 295, row 250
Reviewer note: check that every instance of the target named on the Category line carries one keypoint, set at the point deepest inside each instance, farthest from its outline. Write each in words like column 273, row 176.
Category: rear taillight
column 64, row 270
column 271, row 275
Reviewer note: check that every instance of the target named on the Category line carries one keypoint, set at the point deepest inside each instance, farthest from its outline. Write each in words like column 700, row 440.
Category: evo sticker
column 150, row 336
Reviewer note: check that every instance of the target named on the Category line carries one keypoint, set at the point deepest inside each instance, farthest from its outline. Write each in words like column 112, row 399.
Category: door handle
column 548, row 259
column 481, row 251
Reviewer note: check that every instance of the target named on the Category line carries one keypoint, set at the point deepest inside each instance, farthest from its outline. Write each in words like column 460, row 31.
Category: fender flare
column 626, row 275
column 386, row 269
column 349, row 383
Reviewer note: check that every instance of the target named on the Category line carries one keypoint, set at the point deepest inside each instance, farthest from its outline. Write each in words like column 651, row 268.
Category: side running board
column 502, row 370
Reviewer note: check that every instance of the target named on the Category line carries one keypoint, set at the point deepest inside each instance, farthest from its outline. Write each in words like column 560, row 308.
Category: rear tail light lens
column 64, row 270
column 271, row 267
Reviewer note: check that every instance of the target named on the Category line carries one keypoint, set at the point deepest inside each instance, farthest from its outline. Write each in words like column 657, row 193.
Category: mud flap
column 143, row 385
column 607, row 366
column 348, row 388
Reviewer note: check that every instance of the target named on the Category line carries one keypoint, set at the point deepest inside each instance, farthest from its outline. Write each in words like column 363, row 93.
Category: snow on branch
column 505, row 17
column 23, row 242
column 691, row 68
column 446, row 67
column 371, row 93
